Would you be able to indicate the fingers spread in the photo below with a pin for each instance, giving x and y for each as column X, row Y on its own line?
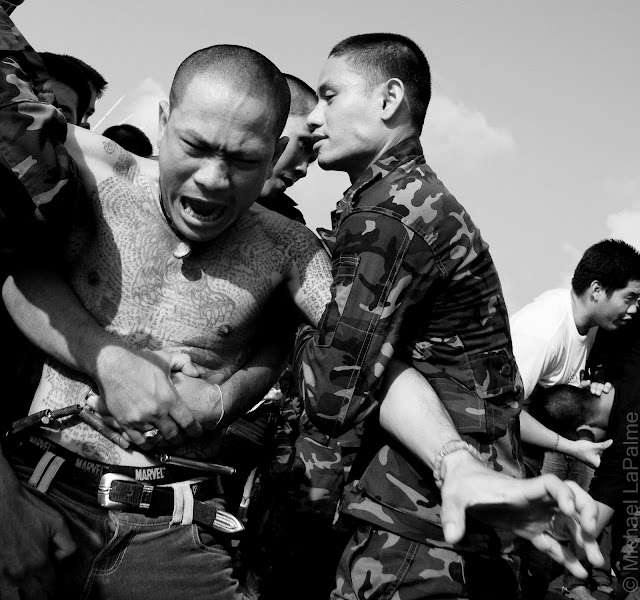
column 560, row 553
column 558, row 491
column 586, row 508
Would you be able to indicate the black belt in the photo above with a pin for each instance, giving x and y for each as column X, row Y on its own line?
column 128, row 488
column 30, row 449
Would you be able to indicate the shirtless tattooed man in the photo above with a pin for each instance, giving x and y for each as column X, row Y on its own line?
column 172, row 257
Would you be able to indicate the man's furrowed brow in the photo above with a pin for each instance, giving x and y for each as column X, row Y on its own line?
column 195, row 136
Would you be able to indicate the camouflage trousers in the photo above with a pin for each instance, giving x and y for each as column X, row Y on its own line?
column 379, row 565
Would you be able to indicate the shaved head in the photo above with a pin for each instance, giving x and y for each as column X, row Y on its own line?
column 303, row 98
column 239, row 68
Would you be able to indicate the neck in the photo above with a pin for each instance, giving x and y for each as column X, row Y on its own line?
column 395, row 137
column 581, row 315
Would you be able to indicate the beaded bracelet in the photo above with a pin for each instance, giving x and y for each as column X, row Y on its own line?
column 449, row 448
column 555, row 446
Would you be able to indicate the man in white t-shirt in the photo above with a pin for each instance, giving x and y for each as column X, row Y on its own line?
column 552, row 337
column 553, row 334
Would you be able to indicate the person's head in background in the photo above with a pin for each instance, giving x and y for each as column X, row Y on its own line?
column 131, row 138
column 564, row 408
column 69, row 86
column 298, row 154
column 97, row 86
column 606, row 284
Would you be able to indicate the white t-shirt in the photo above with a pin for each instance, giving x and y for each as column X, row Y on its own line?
column 546, row 343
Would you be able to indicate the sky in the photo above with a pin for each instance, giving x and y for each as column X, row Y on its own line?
column 533, row 124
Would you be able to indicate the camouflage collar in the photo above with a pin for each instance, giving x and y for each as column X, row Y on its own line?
column 390, row 160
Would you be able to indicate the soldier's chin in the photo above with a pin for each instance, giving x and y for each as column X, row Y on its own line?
column 327, row 163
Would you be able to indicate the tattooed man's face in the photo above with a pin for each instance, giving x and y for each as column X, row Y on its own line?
column 217, row 148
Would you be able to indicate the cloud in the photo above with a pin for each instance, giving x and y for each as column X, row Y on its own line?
column 624, row 224
column 456, row 132
column 453, row 135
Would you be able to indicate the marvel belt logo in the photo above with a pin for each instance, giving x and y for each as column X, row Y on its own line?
column 42, row 444
column 150, row 474
column 89, row 467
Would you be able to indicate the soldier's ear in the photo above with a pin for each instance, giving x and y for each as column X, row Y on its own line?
column 163, row 119
column 392, row 98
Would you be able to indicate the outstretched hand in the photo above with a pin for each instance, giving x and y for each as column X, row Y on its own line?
column 526, row 507
column 589, row 452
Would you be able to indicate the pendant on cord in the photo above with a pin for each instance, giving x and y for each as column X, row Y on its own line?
column 182, row 250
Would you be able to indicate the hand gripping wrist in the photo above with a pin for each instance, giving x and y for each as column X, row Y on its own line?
column 449, row 448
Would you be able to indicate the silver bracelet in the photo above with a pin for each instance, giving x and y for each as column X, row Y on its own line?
column 449, row 448
column 221, row 404
column 555, row 446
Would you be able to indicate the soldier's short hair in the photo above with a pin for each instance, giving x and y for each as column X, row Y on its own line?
column 62, row 69
column 303, row 98
column 381, row 56
column 242, row 68
column 563, row 408
column 613, row 263
column 96, row 81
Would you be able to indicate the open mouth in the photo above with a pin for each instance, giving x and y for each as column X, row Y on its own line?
column 201, row 209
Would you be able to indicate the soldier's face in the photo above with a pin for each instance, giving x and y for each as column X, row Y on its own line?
column 294, row 161
column 217, row 148
column 346, row 118
column 616, row 310
column 67, row 100
column 90, row 109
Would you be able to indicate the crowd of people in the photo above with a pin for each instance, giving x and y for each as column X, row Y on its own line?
column 213, row 402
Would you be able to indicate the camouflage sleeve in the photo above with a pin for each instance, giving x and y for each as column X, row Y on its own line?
column 32, row 135
column 380, row 270
column 9, row 5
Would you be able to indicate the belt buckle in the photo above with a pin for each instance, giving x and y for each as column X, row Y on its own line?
column 104, row 488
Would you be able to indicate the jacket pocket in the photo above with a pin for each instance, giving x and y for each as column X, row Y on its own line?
column 498, row 384
column 343, row 268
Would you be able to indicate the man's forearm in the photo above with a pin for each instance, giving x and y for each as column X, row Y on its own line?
column 251, row 383
column 534, row 432
column 412, row 412
column 51, row 316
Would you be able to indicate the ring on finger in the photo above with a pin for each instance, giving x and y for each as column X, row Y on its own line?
column 152, row 433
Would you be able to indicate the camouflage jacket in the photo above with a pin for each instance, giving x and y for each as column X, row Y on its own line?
column 33, row 161
column 412, row 275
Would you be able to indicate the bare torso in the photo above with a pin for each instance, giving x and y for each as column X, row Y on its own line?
column 207, row 304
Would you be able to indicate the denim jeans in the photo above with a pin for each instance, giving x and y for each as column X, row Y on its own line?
column 129, row 556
